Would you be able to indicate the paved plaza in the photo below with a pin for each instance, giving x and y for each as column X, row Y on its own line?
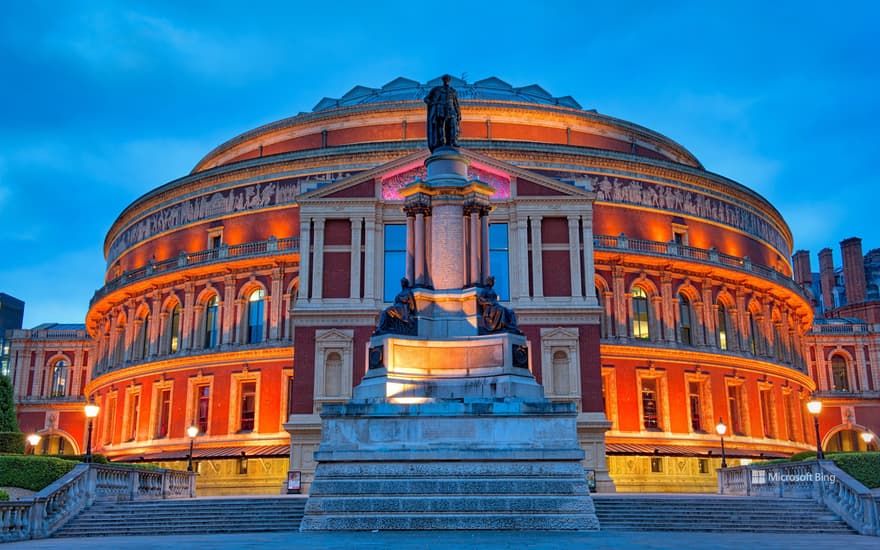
column 521, row 540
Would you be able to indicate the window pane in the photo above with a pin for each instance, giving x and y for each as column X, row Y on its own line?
column 499, row 259
column 395, row 259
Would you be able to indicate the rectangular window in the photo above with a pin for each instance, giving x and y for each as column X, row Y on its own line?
column 734, row 401
column 203, row 407
column 110, row 421
column 704, row 465
column 656, row 464
column 766, row 413
column 499, row 259
column 248, row 402
column 134, row 407
column 650, row 403
column 163, row 423
column 696, row 406
column 395, row 259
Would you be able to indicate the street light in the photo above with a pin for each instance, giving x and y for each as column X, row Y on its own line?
column 34, row 440
column 815, row 407
column 91, row 412
column 192, row 432
column 721, row 428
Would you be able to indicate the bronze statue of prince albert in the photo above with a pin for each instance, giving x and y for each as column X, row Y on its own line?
column 444, row 116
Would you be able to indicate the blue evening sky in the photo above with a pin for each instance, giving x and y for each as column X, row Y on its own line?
column 102, row 101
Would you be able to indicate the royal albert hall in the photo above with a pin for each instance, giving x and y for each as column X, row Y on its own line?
column 657, row 295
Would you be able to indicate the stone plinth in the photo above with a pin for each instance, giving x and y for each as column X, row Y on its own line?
column 506, row 464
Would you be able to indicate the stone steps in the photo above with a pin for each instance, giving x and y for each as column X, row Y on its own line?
column 187, row 516
column 713, row 513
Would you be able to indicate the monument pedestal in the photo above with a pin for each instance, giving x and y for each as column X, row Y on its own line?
column 503, row 464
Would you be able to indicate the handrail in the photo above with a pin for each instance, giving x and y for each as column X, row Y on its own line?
column 184, row 260
column 48, row 510
column 710, row 256
column 820, row 480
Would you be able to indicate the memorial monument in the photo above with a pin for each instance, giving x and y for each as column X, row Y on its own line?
column 449, row 428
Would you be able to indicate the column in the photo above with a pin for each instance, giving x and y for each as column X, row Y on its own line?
column 669, row 309
column 620, row 302
column 226, row 311
column 410, row 246
column 608, row 301
column 164, row 333
column 537, row 261
column 304, row 264
column 484, row 245
column 155, row 326
column 369, row 259
column 318, row 258
column 474, row 275
column 522, row 253
column 355, row 288
column 574, row 256
column 710, row 314
column 187, row 317
column 589, row 266
column 656, row 333
column 419, row 252
column 276, row 300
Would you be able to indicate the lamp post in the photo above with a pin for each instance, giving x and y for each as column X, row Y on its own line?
column 867, row 437
column 721, row 429
column 815, row 407
column 34, row 440
column 192, row 432
column 91, row 412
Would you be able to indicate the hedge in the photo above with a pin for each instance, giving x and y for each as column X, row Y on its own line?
column 4, row 496
column 865, row 467
column 804, row 455
column 32, row 472
column 12, row 442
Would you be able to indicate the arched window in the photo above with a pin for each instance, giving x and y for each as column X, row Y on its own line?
column 143, row 338
column 255, row 316
column 722, row 326
column 174, row 329
column 838, row 373
column 59, row 378
column 640, row 313
column 211, row 334
column 684, row 315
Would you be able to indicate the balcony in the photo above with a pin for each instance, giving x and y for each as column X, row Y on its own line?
column 709, row 257
column 841, row 328
column 224, row 253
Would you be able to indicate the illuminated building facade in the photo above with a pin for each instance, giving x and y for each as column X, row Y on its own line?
column 656, row 295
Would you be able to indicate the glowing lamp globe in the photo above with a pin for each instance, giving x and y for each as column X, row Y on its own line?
column 192, row 431
column 814, row 406
column 34, row 439
column 721, row 428
column 92, row 410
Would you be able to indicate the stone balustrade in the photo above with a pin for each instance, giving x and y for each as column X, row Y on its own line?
column 184, row 260
column 817, row 479
column 52, row 507
column 710, row 256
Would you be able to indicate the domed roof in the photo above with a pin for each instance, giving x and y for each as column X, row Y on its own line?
column 404, row 89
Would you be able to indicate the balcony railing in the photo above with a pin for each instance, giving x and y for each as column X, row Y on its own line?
column 842, row 328
column 184, row 260
column 710, row 256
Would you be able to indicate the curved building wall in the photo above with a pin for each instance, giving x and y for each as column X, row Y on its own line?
column 608, row 219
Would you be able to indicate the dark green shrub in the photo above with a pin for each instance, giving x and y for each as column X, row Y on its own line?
column 4, row 496
column 804, row 455
column 97, row 459
column 8, row 418
column 32, row 472
column 865, row 467
column 12, row 443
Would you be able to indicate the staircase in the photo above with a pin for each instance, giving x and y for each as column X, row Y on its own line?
column 187, row 516
column 729, row 514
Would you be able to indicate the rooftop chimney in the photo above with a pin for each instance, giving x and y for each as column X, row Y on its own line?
column 826, row 272
column 802, row 273
column 853, row 269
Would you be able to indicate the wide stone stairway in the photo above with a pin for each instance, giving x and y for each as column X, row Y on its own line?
column 616, row 512
column 643, row 512
column 188, row 516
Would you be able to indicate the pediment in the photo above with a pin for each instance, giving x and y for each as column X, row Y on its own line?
column 384, row 182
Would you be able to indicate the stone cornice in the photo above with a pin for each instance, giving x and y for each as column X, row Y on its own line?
column 194, row 362
column 713, row 359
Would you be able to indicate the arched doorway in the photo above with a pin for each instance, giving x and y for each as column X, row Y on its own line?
column 848, row 439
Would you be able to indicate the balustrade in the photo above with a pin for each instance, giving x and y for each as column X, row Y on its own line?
column 820, row 480
column 52, row 507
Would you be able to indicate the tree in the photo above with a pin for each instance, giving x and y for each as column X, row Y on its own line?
column 8, row 419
